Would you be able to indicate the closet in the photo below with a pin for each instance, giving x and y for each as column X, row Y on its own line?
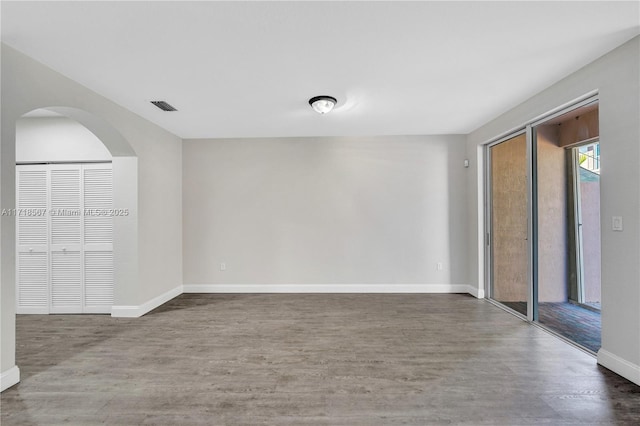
column 64, row 234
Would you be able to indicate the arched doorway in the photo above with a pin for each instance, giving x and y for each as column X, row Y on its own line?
column 101, row 143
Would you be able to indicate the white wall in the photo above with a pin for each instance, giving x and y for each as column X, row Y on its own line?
column 615, row 77
column 29, row 85
column 379, row 210
column 57, row 139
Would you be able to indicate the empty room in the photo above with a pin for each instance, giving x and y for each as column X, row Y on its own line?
column 320, row 213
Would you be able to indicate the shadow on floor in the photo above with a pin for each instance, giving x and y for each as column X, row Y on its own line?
column 45, row 341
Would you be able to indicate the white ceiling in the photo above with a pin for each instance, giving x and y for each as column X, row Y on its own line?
column 247, row 69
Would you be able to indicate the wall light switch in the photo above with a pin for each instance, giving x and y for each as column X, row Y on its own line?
column 439, row 266
column 223, row 266
column 616, row 223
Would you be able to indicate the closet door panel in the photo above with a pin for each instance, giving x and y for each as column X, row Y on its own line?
column 98, row 203
column 66, row 282
column 98, row 237
column 32, row 231
column 66, row 239
column 66, row 206
column 98, row 281
column 33, row 282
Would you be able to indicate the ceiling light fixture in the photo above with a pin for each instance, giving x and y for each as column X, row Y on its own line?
column 322, row 104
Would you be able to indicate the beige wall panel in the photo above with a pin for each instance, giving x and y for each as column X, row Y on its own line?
column 509, row 220
column 552, row 217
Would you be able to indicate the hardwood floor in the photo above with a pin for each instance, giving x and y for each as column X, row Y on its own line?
column 295, row 359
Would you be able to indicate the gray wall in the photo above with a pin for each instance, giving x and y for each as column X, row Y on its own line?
column 378, row 210
column 590, row 196
column 28, row 85
column 615, row 77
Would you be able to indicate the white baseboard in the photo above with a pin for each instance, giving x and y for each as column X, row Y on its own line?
column 476, row 292
column 619, row 365
column 326, row 288
column 9, row 378
column 32, row 311
column 126, row 311
column 135, row 311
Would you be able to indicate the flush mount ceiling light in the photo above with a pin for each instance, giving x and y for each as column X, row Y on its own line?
column 322, row 104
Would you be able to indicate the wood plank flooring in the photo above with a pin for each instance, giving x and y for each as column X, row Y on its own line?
column 306, row 359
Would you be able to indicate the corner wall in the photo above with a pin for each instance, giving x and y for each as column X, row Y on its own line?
column 615, row 77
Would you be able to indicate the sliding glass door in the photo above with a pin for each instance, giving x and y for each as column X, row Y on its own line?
column 508, row 211
column 543, row 223
column 567, row 176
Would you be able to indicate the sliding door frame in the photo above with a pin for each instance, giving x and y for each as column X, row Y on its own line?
column 593, row 98
column 576, row 197
column 532, row 223
column 528, row 128
column 489, row 218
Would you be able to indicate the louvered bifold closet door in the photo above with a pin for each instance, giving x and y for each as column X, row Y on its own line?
column 32, row 231
column 98, row 238
column 66, row 239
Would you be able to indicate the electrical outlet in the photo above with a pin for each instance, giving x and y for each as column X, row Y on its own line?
column 616, row 223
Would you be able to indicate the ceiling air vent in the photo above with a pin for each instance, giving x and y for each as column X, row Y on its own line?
column 163, row 105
